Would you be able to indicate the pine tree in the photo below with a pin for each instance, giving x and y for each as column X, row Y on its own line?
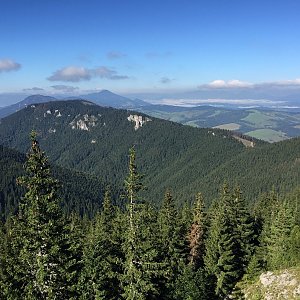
column 140, row 266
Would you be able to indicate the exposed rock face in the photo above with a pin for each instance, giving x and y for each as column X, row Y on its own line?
column 275, row 286
column 139, row 121
column 56, row 113
column 84, row 122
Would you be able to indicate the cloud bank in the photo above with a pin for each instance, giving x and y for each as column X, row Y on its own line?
column 76, row 74
column 238, row 84
column 7, row 65
column 34, row 89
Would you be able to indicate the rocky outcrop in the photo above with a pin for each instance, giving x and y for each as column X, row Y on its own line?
column 275, row 286
column 138, row 120
column 84, row 122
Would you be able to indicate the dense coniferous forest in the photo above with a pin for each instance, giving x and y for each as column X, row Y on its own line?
column 171, row 155
column 81, row 193
column 131, row 249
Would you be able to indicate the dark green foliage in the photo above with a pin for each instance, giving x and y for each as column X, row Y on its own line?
column 163, row 148
column 140, row 266
column 172, row 244
column 131, row 250
column 79, row 192
column 191, row 285
column 230, row 242
column 102, row 255
column 40, row 264
column 172, row 156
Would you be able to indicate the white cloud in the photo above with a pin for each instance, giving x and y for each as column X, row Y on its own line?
column 293, row 82
column 7, row 65
column 221, row 84
column 76, row 74
column 238, row 84
column 71, row 73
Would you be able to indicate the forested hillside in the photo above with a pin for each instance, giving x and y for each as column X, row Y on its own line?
column 132, row 250
column 80, row 192
column 83, row 136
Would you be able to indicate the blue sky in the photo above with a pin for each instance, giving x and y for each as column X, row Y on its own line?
column 67, row 46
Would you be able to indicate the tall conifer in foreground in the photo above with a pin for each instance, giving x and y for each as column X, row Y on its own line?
column 43, row 248
column 140, row 267
column 229, row 245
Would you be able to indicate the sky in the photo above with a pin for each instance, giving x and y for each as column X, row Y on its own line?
column 156, row 49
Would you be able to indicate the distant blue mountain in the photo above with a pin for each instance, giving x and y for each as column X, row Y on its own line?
column 8, row 110
column 109, row 99
column 102, row 98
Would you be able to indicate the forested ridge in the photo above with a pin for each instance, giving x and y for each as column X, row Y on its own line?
column 90, row 222
column 170, row 155
column 133, row 250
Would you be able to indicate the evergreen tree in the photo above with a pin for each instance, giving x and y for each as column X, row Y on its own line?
column 191, row 284
column 172, row 244
column 229, row 243
column 38, row 237
column 102, row 255
column 2, row 260
column 140, row 267
column 278, row 241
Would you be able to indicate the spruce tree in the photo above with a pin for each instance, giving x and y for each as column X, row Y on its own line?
column 229, row 243
column 140, row 266
column 38, row 236
column 100, row 276
column 172, row 244
column 278, row 242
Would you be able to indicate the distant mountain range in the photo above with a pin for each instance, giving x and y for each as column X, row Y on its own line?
column 102, row 98
column 77, row 134
column 268, row 124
